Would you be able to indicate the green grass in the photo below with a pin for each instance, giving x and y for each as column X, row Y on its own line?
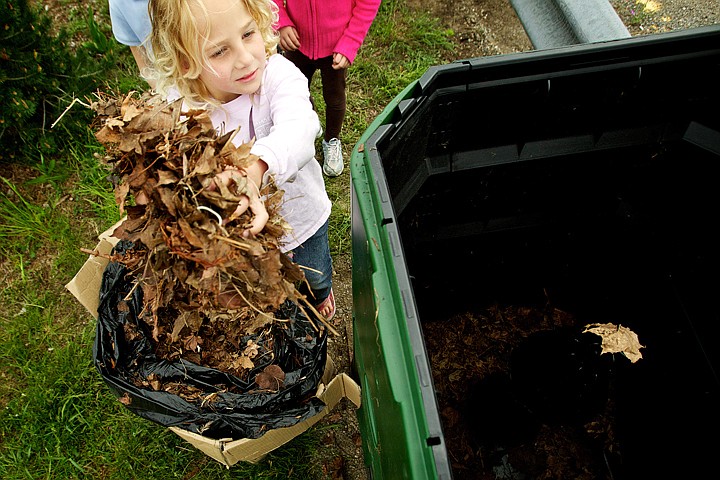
column 23, row 218
column 58, row 420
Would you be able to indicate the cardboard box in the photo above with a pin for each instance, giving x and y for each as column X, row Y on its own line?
column 228, row 451
column 85, row 287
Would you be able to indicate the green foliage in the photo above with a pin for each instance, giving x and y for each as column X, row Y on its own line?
column 99, row 42
column 638, row 15
column 32, row 64
column 39, row 77
column 339, row 225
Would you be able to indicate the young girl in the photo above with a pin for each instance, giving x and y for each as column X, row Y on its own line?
column 220, row 55
column 326, row 35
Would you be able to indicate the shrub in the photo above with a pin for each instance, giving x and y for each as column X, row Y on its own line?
column 39, row 76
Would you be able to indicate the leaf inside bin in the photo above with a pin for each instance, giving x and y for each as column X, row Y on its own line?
column 617, row 339
column 488, row 431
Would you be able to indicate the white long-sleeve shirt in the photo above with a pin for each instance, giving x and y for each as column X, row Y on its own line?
column 285, row 126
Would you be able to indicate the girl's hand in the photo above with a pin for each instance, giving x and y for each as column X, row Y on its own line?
column 289, row 39
column 251, row 199
column 340, row 61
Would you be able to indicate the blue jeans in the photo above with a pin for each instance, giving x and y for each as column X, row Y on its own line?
column 315, row 253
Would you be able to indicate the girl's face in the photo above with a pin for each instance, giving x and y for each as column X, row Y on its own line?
column 235, row 50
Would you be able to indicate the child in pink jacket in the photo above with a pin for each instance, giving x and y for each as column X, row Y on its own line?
column 326, row 35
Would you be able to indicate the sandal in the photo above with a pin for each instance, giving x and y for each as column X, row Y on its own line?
column 327, row 307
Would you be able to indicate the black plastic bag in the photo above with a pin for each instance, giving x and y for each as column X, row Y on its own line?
column 242, row 412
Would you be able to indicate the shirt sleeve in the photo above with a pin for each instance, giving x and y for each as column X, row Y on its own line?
column 130, row 21
column 363, row 15
column 290, row 142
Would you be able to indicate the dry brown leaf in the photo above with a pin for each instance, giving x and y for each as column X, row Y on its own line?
column 242, row 363
column 251, row 349
column 617, row 339
column 271, row 378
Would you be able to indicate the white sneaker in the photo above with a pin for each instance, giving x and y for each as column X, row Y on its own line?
column 332, row 157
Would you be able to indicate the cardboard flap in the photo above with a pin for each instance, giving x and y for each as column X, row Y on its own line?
column 210, row 447
column 229, row 452
column 85, row 285
column 342, row 386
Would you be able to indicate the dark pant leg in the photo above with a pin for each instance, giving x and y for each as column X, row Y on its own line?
column 333, row 88
column 306, row 66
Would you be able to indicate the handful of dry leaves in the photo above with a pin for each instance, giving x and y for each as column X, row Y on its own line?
column 205, row 285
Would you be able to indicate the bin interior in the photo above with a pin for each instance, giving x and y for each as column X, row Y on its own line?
column 590, row 195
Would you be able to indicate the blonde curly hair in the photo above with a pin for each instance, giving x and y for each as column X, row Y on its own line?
column 178, row 46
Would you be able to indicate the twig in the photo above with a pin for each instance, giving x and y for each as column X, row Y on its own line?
column 94, row 253
column 320, row 316
column 253, row 306
column 312, row 324
column 136, row 284
column 239, row 245
column 75, row 100
column 310, row 269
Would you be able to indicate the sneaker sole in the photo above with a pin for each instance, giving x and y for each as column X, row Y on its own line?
column 331, row 173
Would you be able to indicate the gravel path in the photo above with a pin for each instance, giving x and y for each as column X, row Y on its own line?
column 643, row 17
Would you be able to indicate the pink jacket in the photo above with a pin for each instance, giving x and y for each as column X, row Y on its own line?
column 328, row 26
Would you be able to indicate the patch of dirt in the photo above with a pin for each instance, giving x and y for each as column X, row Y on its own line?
column 341, row 455
column 481, row 27
column 645, row 17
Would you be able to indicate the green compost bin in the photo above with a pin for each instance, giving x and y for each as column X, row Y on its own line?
column 588, row 173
